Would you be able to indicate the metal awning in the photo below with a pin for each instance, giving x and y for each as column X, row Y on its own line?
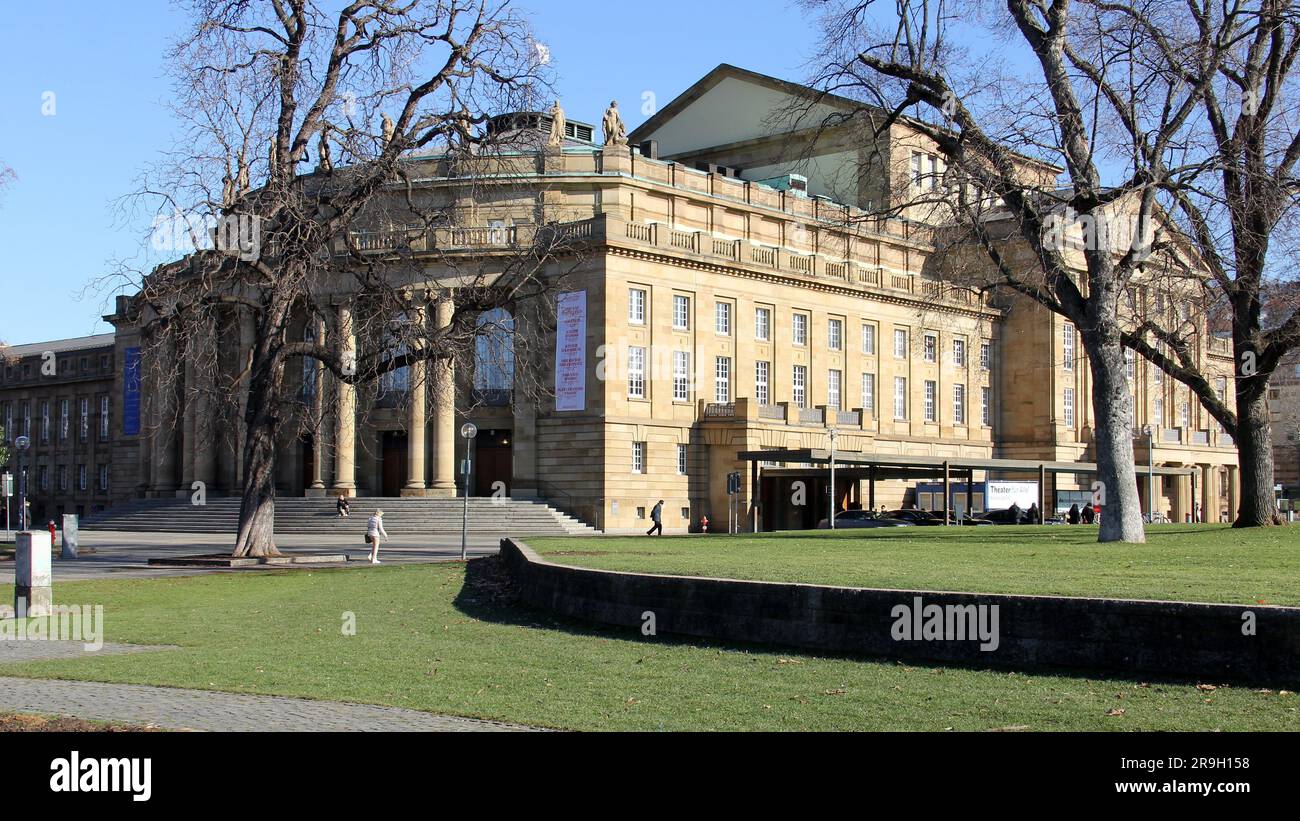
column 892, row 465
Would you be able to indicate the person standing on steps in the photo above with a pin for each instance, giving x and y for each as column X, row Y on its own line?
column 374, row 530
column 657, row 516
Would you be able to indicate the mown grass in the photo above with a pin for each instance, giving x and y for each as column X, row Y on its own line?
column 1209, row 563
column 428, row 639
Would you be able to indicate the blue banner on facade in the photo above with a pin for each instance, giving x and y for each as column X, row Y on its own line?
column 131, row 393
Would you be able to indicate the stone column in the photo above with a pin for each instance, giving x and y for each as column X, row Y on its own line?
column 1234, row 493
column 204, row 448
column 317, row 486
column 144, row 441
column 164, row 419
column 415, row 414
column 444, row 414
column 1209, row 494
column 189, row 422
column 345, row 438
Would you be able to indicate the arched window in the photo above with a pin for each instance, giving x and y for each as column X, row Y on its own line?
column 494, row 357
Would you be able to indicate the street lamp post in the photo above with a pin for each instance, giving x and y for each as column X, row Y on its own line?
column 831, row 508
column 468, row 430
column 22, row 443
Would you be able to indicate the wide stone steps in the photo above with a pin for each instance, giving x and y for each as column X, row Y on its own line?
column 503, row 517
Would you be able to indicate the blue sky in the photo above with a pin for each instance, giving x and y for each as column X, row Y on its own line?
column 60, row 226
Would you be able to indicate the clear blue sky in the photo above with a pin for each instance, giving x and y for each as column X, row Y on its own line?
column 59, row 225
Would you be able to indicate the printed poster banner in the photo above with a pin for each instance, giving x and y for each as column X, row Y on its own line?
column 131, row 392
column 571, row 351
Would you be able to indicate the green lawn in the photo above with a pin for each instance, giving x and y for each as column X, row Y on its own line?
column 426, row 639
column 1211, row 563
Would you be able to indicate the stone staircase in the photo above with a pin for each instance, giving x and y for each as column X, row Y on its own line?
column 406, row 516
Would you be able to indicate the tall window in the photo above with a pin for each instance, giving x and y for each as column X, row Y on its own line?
column 636, row 306
column 900, row 343
column 103, row 476
column 1069, row 407
column 959, row 404
column 931, row 412
column 917, row 171
column 930, row 349
column 63, row 477
column 64, row 412
column 1067, row 346
column 722, row 379
column 45, row 420
column 761, row 374
column 83, row 418
column 1158, row 412
column 722, row 318
column 81, row 477
column 1156, row 374
column 835, row 334
column 959, row 353
column 799, row 329
column 636, row 372
column 9, row 422
column 762, row 324
column 869, row 393
column 397, row 380
column 1128, row 363
column 494, row 356
column 833, row 379
column 43, row 477
column 986, row 409
column 986, row 355
column 681, row 460
column 681, row 376
column 799, row 386
column 27, row 419
column 900, row 397
column 310, row 367
column 869, row 339
column 638, row 457
column 681, row 312
column 1185, row 415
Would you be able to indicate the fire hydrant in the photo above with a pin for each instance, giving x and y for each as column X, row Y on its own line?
column 53, row 538
column 704, row 524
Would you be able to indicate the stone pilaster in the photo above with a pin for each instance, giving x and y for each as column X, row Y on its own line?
column 345, row 438
column 416, row 414
column 444, row 414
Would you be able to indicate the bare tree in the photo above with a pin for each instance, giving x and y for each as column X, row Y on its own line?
column 1004, row 134
column 388, row 96
column 1236, row 216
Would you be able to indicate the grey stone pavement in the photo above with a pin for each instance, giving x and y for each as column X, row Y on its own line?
column 126, row 555
column 119, row 554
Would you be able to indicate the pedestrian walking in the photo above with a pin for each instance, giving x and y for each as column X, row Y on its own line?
column 657, row 516
column 375, row 530
column 1073, row 516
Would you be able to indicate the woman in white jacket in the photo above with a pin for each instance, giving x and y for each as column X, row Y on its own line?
column 375, row 529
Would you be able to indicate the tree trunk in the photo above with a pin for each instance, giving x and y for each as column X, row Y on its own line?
column 266, row 381
column 1112, row 404
column 1254, row 441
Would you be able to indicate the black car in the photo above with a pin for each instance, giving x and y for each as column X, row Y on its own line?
column 929, row 518
column 1006, row 517
column 862, row 518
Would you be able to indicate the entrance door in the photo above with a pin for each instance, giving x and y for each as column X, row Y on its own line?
column 492, row 461
column 394, row 462
column 308, row 449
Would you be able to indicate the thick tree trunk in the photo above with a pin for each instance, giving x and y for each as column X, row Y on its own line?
column 1112, row 404
column 1254, row 441
column 266, row 381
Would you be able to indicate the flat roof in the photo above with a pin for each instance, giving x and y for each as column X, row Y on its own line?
column 906, row 466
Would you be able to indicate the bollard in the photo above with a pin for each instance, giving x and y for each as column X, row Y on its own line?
column 32, row 578
column 69, row 536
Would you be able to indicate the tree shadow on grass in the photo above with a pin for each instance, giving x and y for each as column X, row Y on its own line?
column 489, row 595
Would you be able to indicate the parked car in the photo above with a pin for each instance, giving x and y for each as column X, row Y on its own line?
column 921, row 518
column 971, row 520
column 862, row 518
column 1004, row 517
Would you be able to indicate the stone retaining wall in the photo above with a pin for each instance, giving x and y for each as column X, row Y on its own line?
column 1209, row 642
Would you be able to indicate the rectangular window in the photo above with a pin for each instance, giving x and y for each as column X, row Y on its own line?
column 869, row 393
column 83, row 419
column 103, row 418
column 1185, row 415
column 64, row 408
column 81, row 477
column 799, row 329
column 799, row 386
column 681, row 460
column 931, row 412
column 43, row 477
column 959, row 404
column 9, row 421
column 63, row 477
column 638, row 457
column 1129, row 365
column 986, row 355
column 959, row 353
column 1069, row 407
column 27, row 420
column 45, row 420
column 636, row 306
column 900, row 343
column 681, row 312
column 869, row 339
column 833, row 380
column 681, row 376
column 900, row 397
column 762, row 324
column 722, row 318
column 930, row 349
column 835, row 334
column 722, row 379
column 636, row 372
column 933, row 182
column 986, row 409
column 1067, row 346
column 1158, row 412
column 103, row 477
column 916, row 169
column 761, row 373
